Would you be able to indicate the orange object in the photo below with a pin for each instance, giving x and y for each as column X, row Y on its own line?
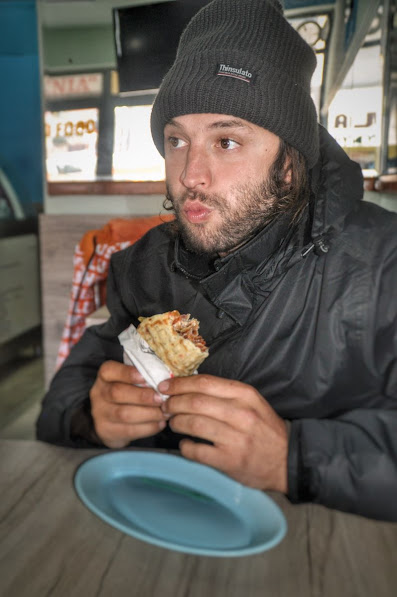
column 90, row 270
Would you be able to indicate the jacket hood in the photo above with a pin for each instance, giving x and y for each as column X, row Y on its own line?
column 337, row 185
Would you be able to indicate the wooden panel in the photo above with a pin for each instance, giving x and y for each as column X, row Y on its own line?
column 59, row 235
column 51, row 544
column 106, row 187
column 386, row 184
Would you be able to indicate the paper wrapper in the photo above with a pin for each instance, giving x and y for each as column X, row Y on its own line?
column 137, row 352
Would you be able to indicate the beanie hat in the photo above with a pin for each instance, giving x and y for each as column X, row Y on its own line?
column 243, row 58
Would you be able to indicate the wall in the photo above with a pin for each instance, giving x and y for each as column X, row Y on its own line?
column 120, row 205
column 78, row 48
column 20, row 104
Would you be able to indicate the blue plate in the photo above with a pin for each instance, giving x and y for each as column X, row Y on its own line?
column 179, row 504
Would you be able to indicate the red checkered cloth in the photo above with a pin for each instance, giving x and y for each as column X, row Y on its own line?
column 90, row 270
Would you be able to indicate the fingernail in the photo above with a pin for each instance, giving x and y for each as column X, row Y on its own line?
column 158, row 399
column 163, row 386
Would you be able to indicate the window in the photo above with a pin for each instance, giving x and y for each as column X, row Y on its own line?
column 315, row 30
column 355, row 114
column 71, row 144
column 135, row 156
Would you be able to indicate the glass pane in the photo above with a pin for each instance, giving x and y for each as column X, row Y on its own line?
column 6, row 212
column 391, row 116
column 355, row 114
column 135, row 156
column 317, row 81
column 314, row 29
column 71, row 144
column 392, row 138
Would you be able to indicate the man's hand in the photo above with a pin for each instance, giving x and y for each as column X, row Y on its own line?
column 121, row 410
column 250, row 441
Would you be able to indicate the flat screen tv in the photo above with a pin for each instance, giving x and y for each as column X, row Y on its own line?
column 146, row 39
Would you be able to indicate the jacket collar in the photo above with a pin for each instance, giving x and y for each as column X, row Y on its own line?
column 228, row 281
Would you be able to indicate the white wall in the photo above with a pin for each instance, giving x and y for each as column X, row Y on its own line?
column 137, row 205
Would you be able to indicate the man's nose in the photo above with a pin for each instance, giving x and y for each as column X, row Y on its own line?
column 197, row 171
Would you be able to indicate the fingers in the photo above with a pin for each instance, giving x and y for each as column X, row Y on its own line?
column 127, row 414
column 121, row 393
column 118, row 435
column 200, row 426
column 237, row 414
column 121, row 410
column 206, row 384
column 207, row 454
column 116, row 382
column 118, row 424
column 114, row 371
column 227, row 400
column 199, row 452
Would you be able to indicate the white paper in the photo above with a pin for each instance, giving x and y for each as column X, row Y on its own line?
column 137, row 352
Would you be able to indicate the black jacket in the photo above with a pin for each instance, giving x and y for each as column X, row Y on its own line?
column 307, row 316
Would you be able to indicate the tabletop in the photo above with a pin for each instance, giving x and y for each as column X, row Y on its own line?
column 51, row 545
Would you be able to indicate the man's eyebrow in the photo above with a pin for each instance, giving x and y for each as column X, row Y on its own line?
column 218, row 124
column 173, row 122
column 224, row 124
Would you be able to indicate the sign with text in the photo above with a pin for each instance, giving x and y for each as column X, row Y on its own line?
column 69, row 86
column 71, row 144
column 354, row 120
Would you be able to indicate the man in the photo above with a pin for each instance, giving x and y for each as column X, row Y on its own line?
column 292, row 278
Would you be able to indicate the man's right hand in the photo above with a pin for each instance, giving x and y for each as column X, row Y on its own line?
column 122, row 411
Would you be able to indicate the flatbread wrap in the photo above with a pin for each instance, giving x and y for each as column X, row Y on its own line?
column 175, row 339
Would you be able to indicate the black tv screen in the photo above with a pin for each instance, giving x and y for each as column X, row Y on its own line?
column 146, row 39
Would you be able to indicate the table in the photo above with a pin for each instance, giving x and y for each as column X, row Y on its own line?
column 51, row 545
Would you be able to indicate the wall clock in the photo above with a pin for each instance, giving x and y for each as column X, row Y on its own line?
column 310, row 31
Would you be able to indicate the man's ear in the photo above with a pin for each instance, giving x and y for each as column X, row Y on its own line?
column 288, row 173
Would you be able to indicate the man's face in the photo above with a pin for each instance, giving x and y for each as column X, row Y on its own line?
column 217, row 170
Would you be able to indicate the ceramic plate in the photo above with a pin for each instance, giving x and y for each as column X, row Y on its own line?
column 178, row 504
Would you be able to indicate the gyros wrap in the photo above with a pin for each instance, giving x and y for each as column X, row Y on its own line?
column 174, row 338
column 163, row 346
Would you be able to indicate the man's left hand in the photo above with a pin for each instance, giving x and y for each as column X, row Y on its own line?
column 249, row 440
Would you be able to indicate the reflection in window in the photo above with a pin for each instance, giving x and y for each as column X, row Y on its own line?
column 354, row 120
column 317, row 81
column 355, row 114
column 6, row 212
column 135, row 156
column 315, row 30
column 390, row 160
column 392, row 137
column 71, row 144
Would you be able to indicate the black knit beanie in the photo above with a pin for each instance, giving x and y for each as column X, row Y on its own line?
column 243, row 58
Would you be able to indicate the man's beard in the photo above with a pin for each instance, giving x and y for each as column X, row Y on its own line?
column 253, row 208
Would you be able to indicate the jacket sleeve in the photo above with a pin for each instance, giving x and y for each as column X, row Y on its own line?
column 68, row 393
column 69, row 390
column 350, row 463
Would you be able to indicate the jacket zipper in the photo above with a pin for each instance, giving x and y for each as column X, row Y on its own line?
column 319, row 245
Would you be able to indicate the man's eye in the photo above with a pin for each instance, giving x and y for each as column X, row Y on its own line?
column 228, row 144
column 175, row 142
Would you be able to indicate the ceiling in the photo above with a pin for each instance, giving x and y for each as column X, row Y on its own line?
column 92, row 13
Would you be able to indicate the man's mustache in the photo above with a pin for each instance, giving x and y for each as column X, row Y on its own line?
column 210, row 200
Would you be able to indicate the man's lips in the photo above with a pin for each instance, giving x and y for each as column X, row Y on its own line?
column 195, row 211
